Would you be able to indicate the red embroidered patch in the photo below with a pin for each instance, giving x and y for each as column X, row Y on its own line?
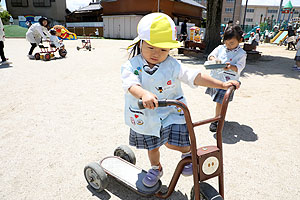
column 169, row 82
column 136, row 116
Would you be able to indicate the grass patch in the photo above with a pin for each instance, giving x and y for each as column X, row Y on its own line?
column 15, row 31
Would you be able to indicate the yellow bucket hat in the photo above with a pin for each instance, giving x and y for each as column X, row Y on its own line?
column 158, row 30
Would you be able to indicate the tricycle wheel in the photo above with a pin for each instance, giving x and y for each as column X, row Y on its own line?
column 62, row 52
column 37, row 56
column 90, row 48
column 207, row 192
column 125, row 153
column 78, row 48
column 96, row 176
column 47, row 57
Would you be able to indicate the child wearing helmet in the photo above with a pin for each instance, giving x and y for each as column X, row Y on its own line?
column 152, row 75
column 36, row 33
column 234, row 57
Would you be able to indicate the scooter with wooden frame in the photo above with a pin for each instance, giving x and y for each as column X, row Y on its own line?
column 207, row 162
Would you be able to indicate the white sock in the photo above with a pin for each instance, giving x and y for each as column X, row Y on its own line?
column 187, row 153
column 156, row 167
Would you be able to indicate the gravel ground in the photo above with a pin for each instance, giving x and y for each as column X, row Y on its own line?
column 58, row 116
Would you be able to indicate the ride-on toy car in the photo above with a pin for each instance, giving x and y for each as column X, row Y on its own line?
column 207, row 162
column 47, row 53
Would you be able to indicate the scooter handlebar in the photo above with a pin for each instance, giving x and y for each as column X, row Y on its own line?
column 161, row 103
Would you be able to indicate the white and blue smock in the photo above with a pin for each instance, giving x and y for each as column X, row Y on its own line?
column 235, row 57
column 165, row 83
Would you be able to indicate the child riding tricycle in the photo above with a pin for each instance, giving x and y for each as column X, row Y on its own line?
column 55, row 45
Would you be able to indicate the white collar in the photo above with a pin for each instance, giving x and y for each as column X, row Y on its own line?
column 232, row 50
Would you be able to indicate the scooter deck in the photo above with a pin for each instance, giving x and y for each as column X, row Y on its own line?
column 214, row 66
column 128, row 174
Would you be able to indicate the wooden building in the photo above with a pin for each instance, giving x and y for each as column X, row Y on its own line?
column 120, row 17
column 86, row 20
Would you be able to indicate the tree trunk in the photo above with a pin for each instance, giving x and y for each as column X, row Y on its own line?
column 213, row 26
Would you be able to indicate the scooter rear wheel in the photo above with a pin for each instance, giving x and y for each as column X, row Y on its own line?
column 125, row 153
column 96, row 176
column 207, row 192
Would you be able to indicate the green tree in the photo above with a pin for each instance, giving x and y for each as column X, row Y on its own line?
column 5, row 16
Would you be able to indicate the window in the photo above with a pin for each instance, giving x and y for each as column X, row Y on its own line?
column 229, row 1
column 251, row 10
column 249, row 20
column 272, row 11
column 41, row 3
column 296, row 12
column 229, row 10
column 227, row 19
column 19, row 3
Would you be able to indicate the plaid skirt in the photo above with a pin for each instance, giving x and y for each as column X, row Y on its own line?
column 174, row 134
column 217, row 94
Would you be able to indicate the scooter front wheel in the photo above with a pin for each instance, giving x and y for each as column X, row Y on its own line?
column 207, row 192
column 125, row 153
column 96, row 176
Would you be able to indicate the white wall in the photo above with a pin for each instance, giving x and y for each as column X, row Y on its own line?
column 121, row 26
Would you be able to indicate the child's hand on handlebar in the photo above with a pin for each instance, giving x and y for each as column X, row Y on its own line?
column 149, row 100
column 227, row 84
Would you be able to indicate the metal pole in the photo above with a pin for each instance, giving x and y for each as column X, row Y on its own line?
column 234, row 2
column 279, row 14
column 245, row 14
column 158, row 5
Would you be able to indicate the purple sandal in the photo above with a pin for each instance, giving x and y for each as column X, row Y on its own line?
column 152, row 177
column 188, row 168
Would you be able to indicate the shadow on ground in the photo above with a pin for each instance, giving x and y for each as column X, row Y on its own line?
column 122, row 192
column 5, row 66
column 233, row 132
column 266, row 65
column 191, row 60
column 272, row 65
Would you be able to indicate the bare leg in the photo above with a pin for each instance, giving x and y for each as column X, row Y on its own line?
column 177, row 148
column 154, row 157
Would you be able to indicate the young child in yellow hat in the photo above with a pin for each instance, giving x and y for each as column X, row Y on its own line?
column 152, row 75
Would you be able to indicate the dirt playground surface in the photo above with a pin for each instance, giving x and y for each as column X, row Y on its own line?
column 58, row 116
